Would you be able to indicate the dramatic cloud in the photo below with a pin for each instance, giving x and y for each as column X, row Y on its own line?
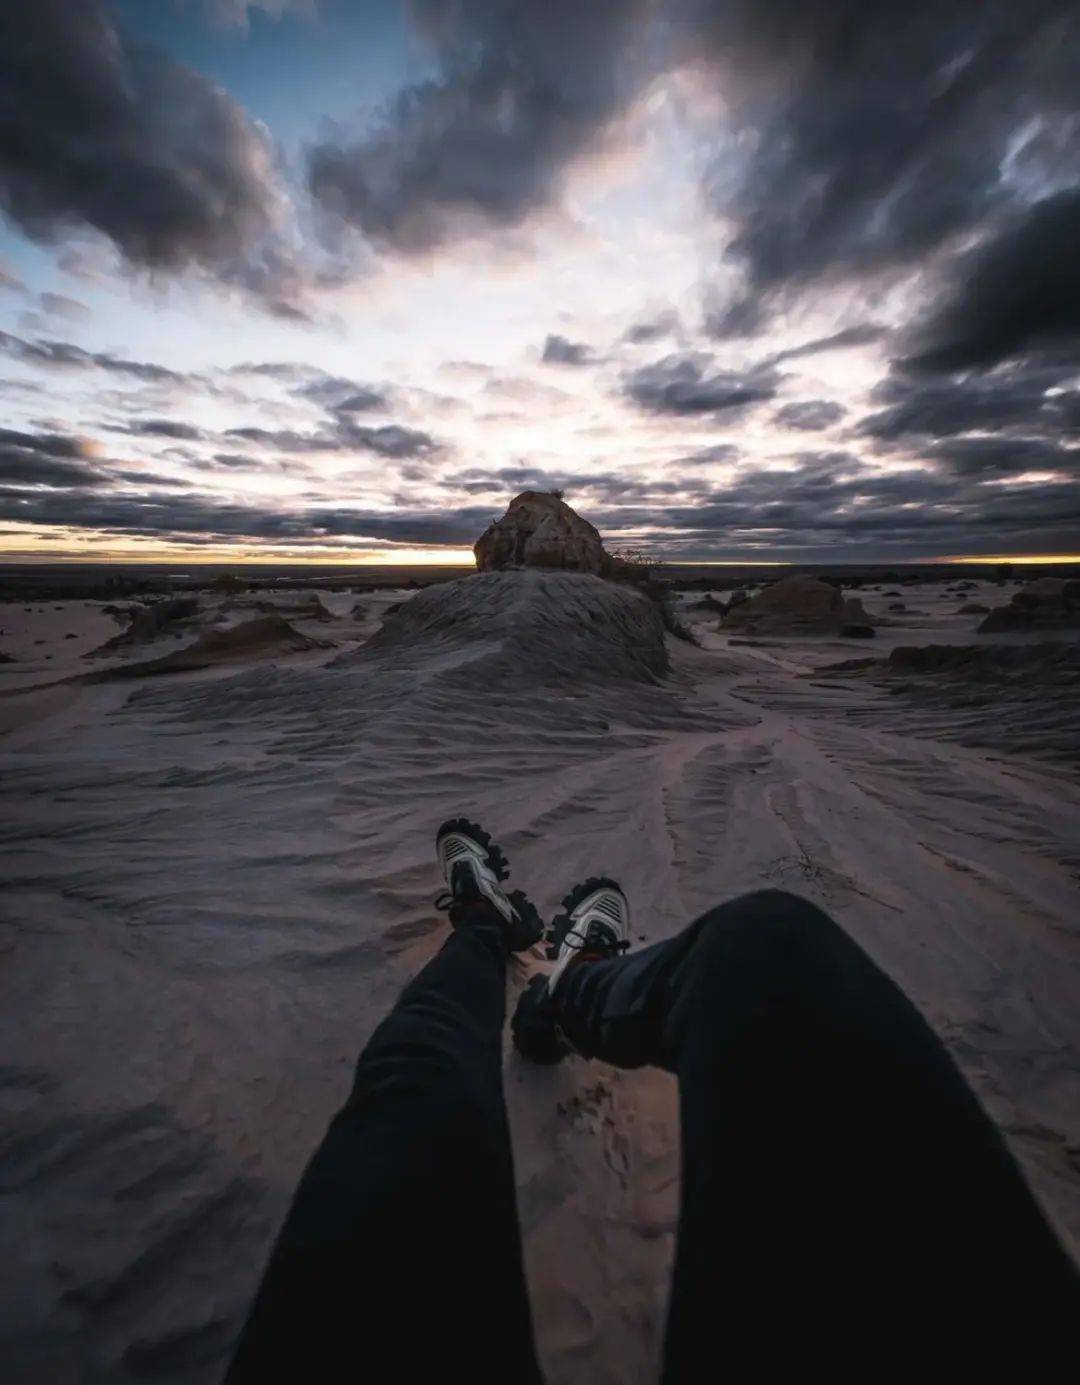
column 161, row 428
column 874, row 208
column 918, row 406
column 341, row 395
column 64, row 354
column 46, row 459
column 559, row 351
column 59, row 305
column 718, row 453
column 990, row 457
column 523, row 87
column 1018, row 292
column 810, row 414
column 193, row 515
column 862, row 335
column 665, row 324
column 878, row 132
column 98, row 131
column 390, row 440
column 683, row 384
column 49, row 444
column 33, row 469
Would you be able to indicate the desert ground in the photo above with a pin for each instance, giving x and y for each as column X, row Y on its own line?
column 220, row 872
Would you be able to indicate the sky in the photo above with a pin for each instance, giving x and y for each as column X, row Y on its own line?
column 333, row 280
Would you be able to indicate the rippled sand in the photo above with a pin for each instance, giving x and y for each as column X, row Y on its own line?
column 218, row 881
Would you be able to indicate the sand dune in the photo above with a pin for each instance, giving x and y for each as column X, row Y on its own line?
column 220, row 881
column 261, row 638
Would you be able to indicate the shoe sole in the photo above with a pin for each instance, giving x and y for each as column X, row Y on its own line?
column 560, row 924
column 493, row 852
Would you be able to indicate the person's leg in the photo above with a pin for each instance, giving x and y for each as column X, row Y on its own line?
column 845, row 1200
column 400, row 1258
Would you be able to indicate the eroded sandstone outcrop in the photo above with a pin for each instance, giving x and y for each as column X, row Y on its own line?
column 798, row 606
column 540, row 529
column 1050, row 603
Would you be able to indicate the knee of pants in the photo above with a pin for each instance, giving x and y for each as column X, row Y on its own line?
column 767, row 926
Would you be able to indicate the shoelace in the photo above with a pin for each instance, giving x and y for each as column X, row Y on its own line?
column 608, row 943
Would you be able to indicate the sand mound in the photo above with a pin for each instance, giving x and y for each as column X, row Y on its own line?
column 253, row 639
column 527, row 627
column 798, row 606
column 150, row 624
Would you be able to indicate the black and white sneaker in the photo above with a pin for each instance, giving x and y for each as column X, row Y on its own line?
column 594, row 926
column 474, row 867
column 595, row 923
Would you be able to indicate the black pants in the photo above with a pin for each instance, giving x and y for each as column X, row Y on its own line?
column 846, row 1204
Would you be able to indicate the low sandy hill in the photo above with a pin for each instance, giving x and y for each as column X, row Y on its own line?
column 527, row 626
column 261, row 638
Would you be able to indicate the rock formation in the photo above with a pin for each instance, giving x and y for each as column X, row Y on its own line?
column 1051, row 603
column 540, row 530
column 798, row 606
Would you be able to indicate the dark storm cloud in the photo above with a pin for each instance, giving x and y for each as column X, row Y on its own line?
column 200, row 515
column 96, row 130
column 48, row 444
column 829, row 500
column 832, row 500
column 988, row 458
column 810, row 414
column 862, row 335
column 742, row 316
column 24, row 467
column 1024, row 397
column 559, row 351
column 878, row 132
column 523, row 87
column 860, row 135
column 66, row 463
column 684, row 383
column 1016, row 293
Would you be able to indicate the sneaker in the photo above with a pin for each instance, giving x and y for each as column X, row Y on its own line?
column 594, row 925
column 473, row 867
